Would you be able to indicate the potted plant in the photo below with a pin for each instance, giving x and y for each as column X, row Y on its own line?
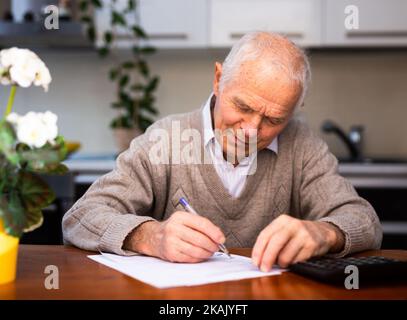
column 135, row 85
column 29, row 146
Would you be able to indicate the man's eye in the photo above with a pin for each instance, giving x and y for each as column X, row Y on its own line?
column 244, row 109
column 274, row 122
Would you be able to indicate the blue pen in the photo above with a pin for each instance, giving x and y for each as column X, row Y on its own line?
column 188, row 207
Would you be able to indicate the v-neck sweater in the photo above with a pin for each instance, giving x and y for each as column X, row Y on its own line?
column 301, row 181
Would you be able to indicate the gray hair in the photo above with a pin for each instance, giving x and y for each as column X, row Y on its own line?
column 278, row 51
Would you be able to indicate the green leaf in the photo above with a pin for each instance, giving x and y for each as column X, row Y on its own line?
column 124, row 97
column 86, row 19
column 118, row 19
column 8, row 175
column 144, row 122
column 131, row 5
column 122, row 122
column 124, row 80
column 34, row 192
column 13, row 212
column 139, row 32
column 33, row 220
column 57, row 169
column 7, row 142
column 137, row 87
column 128, row 65
column 143, row 67
column 108, row 37
column 152, row 85
column 113, row 73
column 83, row 5
column 150, row 108
column 21, row 208
column 148, row 50
column 97, row 3
column 61, row 147
column 91, row 33
column 103, row 52
column 43, row 160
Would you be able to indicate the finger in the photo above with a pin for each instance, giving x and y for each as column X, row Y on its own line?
column 198, row 239
column 204, row 226
column 303, row 255
column 193, row 251
column 288, row 254
column 259, row 247
column 175, row 254
column 262, row 241
column 184, row 258
column 276, row 243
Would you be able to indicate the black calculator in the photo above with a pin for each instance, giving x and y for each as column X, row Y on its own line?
column 370, row 269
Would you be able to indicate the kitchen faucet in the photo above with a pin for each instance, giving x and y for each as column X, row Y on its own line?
column 353, row 140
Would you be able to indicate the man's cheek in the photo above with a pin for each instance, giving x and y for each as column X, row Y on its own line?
column 230, row 119
column 266, row 137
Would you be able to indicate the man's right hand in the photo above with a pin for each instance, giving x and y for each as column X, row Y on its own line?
column 183, row 237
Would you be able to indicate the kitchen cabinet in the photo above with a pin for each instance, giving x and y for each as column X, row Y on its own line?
column 220, row 23
column 169, row 24
column 299, row 20
column 381, row 23
column 175, row 23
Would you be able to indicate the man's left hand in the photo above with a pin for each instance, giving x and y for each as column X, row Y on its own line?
column 288, row 240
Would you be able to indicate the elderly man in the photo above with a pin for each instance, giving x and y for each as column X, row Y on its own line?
column 283, row 197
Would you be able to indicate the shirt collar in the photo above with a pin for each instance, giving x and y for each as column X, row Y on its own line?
column 208, row 129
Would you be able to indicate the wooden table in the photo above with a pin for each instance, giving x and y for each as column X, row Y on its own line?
column 82, row 278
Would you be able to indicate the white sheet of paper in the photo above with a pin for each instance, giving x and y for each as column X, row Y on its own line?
column 163, row 274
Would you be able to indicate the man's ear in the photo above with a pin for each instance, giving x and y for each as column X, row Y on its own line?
column 216, row 80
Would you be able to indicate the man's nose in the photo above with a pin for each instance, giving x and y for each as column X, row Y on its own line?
column 251, row 126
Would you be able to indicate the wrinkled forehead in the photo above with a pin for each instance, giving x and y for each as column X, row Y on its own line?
column 272, row 85
column 265, row 71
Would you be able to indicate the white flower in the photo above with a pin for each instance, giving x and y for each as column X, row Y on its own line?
column 24, row 68
column 43, row 77
column 13, row 118
column 50, row 121
column 35, row 129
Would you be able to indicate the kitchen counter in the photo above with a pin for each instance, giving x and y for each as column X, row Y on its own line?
column 370, row 175
column 375, row 175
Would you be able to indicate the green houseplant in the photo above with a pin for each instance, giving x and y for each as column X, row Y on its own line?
column 29, row 146
column 135, row 85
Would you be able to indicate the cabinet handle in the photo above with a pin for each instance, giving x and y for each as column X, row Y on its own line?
column 168, row 36
column 238, row 35
column 376, row 34
column 156, row 36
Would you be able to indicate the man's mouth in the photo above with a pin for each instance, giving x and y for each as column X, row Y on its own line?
column 246, row 142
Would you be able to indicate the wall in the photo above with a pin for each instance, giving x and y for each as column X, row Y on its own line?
column 365, row 87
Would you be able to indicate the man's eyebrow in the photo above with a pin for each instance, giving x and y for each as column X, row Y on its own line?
column 241, row 103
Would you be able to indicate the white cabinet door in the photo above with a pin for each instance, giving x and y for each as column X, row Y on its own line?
column 300, row 20
column 169, row 24
column 175, row 23
column 381, row 23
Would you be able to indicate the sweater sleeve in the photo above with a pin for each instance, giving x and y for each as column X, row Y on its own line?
column 327, row 196
column 114, row 205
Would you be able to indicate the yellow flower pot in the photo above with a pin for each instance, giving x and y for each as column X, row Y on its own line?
column 8, row 256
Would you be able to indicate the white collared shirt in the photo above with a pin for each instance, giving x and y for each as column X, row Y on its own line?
column 233, row 178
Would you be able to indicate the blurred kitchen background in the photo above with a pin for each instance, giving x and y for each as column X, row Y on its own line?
column 357, row 100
